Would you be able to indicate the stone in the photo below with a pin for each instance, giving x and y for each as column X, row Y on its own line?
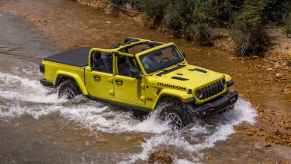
column 269, row 69
column 87, row 143
column 161, row 157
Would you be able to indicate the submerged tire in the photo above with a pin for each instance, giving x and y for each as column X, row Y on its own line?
column 68, row 89
column 172, row 111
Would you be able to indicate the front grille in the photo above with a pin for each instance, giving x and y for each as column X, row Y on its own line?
column 211, row 89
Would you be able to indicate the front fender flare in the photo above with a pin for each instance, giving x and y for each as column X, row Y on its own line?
column 181, row 95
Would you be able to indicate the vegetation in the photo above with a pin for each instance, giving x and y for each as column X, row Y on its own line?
column 288, row 25
column 248, row 31
column 195, row 19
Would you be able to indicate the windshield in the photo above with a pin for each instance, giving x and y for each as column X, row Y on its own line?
column 161, row 59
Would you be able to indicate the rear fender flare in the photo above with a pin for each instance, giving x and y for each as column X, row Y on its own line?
column 77, row 79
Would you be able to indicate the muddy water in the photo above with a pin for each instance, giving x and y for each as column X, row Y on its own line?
column 37, row 127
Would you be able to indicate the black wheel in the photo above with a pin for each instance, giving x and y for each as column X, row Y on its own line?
column 68, row 89
column 172, row 112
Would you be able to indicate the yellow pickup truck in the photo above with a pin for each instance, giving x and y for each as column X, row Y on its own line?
column 143, row 75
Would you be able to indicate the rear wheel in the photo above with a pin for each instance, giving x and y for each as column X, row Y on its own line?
column 172, row 111
column 68, row 89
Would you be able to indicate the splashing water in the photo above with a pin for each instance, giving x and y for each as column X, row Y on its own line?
column 90, row 114
column 20, row 96
column 23, row 89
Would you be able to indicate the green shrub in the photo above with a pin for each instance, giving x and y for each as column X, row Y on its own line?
column 119, row 3
column 224, row 10
column 178, row 16
column 248, row 31
column 156, row 10
column 200, row 33
column 194, row 19
column 253, row 42
column 137, row 4
column 288, row 25
column 203, row 12
column 277, row 10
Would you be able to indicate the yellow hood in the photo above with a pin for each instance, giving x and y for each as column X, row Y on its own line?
column 188, row 77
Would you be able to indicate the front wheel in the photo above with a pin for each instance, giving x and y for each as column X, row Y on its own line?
column 173, row 113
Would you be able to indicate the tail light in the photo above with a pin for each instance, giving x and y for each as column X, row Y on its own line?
column 41, row 68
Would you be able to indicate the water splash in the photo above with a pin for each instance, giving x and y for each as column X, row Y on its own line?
column 23, row 96
column 23, row 89
column 200, row 137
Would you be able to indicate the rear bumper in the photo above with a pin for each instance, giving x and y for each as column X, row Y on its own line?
column 219, row 105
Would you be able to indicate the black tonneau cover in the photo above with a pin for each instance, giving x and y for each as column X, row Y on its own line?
column 76, row 57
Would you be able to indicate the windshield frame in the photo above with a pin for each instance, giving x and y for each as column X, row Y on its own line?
column 182, row 59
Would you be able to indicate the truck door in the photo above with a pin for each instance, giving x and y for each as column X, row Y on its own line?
column 127, row 88
column 99, row 75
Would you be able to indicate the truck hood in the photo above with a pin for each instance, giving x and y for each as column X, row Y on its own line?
column 188, row 77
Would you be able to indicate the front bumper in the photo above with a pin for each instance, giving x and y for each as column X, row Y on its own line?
column 218, row 105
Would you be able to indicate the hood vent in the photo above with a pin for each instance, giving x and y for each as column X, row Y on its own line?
column 179, row 78
column 198, row 69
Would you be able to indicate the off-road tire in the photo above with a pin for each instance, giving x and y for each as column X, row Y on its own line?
column 172, row 110
column 68, row 89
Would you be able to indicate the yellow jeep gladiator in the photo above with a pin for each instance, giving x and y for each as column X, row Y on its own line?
column 143, row 75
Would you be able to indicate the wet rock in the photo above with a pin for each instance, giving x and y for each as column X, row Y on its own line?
column 267, row 145
column 161, row 157
column 278, row 75
column 269, row 69
column 87, row 143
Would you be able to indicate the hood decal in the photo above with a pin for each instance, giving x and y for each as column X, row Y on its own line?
column 171, row 86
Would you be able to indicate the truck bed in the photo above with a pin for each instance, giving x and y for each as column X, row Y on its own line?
column 76, row 57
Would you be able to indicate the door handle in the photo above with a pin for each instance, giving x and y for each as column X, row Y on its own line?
column 97, row 78
column 119, row 82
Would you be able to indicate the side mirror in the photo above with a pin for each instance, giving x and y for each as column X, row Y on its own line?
column 135, row 73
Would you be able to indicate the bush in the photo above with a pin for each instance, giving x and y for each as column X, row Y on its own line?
column 138, row 4
column 156, row 10
column 288, row 25
column 179, row 16
column 253, row 42
column 224, row 10
column 194, row 19
column 277, row 10
column 119, row 3
column 200, row 33
column 203, row 12
column 248, row 32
